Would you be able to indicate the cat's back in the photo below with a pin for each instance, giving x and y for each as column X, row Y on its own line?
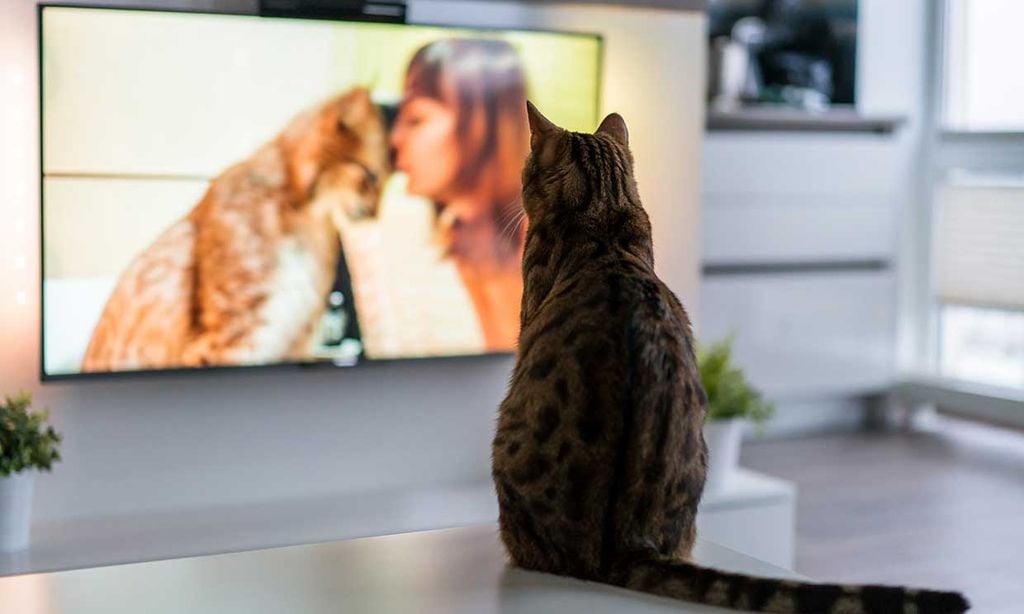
column 603, row 303
column 603, row 366
column 602, row 331
column 147, row 317
column 148, row 320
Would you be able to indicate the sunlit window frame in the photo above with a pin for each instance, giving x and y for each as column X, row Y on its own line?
column 945, row 149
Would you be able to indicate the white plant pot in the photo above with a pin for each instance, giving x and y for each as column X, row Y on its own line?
column 15, row 510
column 723, row 438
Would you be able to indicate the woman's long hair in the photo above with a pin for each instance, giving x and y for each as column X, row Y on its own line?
column 484, row 82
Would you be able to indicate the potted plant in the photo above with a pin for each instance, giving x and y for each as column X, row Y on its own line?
column 731, row 402
column 27, row 444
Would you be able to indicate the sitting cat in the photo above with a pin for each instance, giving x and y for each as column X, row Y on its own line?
column 599, row 459
column 244, row 277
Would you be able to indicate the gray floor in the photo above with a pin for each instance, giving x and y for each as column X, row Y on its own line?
column 941, row 510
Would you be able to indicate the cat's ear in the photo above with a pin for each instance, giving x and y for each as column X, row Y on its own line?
column 615, row 127
column 540, row 126
column 354, row 107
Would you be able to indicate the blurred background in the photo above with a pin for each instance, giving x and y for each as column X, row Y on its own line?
column 863, row 239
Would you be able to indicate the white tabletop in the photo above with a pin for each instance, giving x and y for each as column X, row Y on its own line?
column 453, row 571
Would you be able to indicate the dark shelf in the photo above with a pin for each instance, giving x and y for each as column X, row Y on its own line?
column 678, row 5
column 719, row 269
column 781, row 119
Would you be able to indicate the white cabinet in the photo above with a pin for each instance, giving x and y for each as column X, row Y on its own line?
column 807, row 334
column 799, row 252
column 754, row 515
column 796, row 228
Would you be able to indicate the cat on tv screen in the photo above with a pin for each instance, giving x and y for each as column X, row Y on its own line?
column 228, row 191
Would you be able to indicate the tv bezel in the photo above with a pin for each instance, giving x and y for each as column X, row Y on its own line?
column 362, row 361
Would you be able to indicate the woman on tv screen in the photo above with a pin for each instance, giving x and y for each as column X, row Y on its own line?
column 461, row 138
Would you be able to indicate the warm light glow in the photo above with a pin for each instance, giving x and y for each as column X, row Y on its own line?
column 27, row 594
column 18, row 202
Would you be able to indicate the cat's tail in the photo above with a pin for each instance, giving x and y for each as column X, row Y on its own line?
column 708, row 586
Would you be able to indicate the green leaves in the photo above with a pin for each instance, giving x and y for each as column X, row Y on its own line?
column 729, row 394
column 27, row 441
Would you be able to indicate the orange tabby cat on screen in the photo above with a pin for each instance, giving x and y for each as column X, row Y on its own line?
column 243, row 278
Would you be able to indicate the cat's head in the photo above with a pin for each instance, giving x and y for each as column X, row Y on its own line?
column 582, row 185
column 341, row 147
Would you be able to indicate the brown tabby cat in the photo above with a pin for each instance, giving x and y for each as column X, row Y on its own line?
column 243, row 278
column 599, row 460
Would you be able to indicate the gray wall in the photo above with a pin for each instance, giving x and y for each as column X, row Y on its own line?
column 167, row 443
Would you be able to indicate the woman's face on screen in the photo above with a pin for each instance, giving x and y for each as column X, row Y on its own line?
column 425, row 147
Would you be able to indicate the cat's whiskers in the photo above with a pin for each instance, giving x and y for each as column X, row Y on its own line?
column 515, row 215
column 510, row 210
column 512, row 228
column 519, row 225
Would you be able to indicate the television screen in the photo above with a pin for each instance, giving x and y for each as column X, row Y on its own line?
column 227, row 190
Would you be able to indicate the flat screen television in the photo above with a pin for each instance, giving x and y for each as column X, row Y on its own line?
column 224, row 191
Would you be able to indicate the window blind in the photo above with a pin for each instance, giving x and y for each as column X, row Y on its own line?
column 979, row 249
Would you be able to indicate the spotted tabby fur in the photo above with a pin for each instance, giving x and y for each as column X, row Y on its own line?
column 599, row 461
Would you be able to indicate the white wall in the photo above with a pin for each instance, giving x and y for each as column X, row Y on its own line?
column 166, row 443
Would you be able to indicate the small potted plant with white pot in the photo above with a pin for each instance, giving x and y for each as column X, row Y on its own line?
column 732, row 401
column 28, row 444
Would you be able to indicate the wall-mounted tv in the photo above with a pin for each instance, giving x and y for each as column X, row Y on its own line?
column 223, row 191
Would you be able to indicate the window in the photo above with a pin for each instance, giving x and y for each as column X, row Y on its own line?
column 978, row 250
column 979, row 278
column 984, row 87
column 982, row 344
